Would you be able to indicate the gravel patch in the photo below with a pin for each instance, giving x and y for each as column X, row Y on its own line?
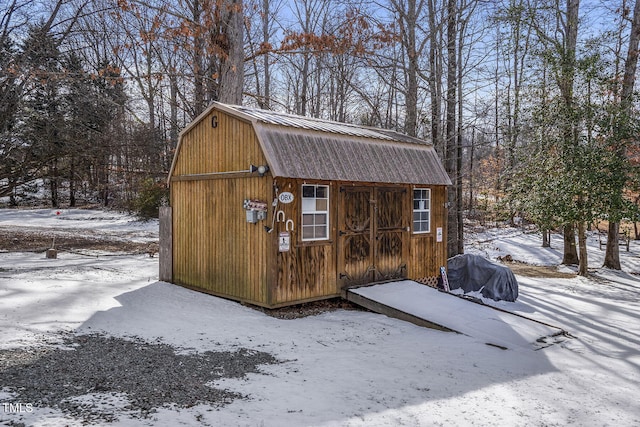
column 309, row 308
column 96, row 378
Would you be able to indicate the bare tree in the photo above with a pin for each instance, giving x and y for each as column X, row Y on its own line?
column 435, row 78
column 232, row 55
column 261, row 28
column 409, row 13
column 454, row 241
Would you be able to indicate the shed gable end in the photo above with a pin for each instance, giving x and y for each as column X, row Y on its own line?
column 217, row 142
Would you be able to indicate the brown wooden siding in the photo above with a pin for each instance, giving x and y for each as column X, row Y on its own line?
column 308, row 270
column 215, row 249
column 427, row 255
column 231, row 146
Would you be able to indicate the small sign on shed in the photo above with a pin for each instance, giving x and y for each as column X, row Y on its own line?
column 285, row 197
column 284, row 241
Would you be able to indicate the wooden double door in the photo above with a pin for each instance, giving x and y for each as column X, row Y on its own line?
column 373, row 234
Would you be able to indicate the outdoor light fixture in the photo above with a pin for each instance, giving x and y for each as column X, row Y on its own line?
column 262, row 169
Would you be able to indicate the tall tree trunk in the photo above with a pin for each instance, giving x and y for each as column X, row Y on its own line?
column 565, row 84
column 451, row 163
column 631, row 62
column 103, row 178
column 411, row 98
column 583, row 268
column 435, row 80
column 301, row 104
column 520, row 35
column 265, row 102
column 635, row 222
column 173, row 129
column 151, row 107
column 570, row 252
column 462, row 23
column 496, row 114
column 232, row 66
column 53, row 183
column 316, row 104
column 472, row 149
column 546, row 238
column 198, row 62
column 612, row 254
column 72, row 183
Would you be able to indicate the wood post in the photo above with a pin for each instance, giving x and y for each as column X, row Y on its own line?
column 165, row 251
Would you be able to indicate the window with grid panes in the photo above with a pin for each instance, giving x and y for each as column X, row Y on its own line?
column 315, row 212
column 421, row 210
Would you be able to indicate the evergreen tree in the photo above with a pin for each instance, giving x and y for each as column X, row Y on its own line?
column 84, row 121
column 43, row 114
column 10, row 93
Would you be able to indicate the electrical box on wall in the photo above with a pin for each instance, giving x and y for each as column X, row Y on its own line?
column 252, row 216
column 256, row 210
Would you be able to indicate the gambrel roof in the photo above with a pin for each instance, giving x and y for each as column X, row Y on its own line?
column 308, row 148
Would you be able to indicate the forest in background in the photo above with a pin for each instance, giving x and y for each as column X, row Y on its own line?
column 530, row 103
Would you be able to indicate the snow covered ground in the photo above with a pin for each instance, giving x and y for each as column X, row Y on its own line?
column 340, row 368
column 83, row 222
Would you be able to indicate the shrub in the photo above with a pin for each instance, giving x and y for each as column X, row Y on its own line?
column 152, row 195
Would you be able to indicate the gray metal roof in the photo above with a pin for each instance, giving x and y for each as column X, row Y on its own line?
column 315, row 155
column 307, row 148
column 313, row 124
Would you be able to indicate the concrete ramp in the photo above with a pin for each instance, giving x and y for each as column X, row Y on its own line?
column 426, row 306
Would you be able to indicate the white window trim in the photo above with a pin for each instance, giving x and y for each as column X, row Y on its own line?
column 303, row 212
column 421, row 210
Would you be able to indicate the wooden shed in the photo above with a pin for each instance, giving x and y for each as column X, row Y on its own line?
column 274, row 209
